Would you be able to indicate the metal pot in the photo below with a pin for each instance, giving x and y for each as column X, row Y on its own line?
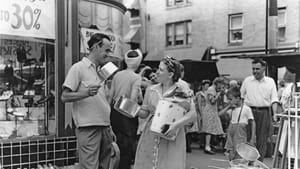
column 247, row 151
column 127, row 107
column 239, row 163
column 107, row 70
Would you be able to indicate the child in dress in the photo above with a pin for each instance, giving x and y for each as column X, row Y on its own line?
column 241, row 116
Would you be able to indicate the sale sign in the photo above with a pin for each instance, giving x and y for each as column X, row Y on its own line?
column 33, row 18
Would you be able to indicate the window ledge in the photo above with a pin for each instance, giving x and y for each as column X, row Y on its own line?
column 281, row 40
column 179, row 6
column 179, row 47
column 235, row 43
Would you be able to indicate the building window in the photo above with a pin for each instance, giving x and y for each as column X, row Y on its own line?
column 179, row 33
column 235, row 28
column 281, row 24
column 177, row 2
column 134, row 13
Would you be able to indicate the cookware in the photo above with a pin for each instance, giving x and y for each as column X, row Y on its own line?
column 106, row 71
column 247, row 151
column 127, row 107
column 165, row 114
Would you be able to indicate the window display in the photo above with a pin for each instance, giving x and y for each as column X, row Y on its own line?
column 26, row 87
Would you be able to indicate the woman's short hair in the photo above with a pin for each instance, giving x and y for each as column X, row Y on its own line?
column 172, row 66
column 219, row 80
column 205, row 81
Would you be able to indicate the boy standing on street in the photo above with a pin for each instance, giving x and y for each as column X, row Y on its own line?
column 241, row 116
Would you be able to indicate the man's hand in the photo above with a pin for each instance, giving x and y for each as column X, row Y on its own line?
column 113, row 135
column 93, row 90
column 275, row 118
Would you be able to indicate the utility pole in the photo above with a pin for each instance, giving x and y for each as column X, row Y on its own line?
column 267, row 27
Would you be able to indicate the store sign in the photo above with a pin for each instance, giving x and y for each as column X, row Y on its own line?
column 87, row 33
column 33, row 18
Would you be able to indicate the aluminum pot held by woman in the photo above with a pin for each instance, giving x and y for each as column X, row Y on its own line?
column 107, row 70
column 127, row 107
column 247, row 151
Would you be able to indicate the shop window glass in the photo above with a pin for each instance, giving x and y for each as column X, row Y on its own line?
column 26, row 86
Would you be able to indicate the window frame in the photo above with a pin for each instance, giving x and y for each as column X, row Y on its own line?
column 283, row 25
column 170, row 37
column 230, row 29
column 174, row 3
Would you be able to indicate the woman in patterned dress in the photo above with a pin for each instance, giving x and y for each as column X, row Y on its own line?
column 211, row 123
column 154, row 152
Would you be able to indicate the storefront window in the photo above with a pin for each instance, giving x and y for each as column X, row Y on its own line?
column 97, row 17
column 27, row 69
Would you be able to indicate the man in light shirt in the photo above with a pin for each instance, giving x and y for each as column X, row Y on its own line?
column 259, row 93
column 91, row 110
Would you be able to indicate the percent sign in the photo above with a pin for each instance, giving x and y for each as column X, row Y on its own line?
column 37, row 25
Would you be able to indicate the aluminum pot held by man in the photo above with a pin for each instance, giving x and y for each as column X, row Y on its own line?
column 107, row 70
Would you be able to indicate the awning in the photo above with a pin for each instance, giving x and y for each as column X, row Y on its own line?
column 132, row 4
column 133, row 36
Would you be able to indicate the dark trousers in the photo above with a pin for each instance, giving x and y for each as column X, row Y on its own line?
column 94, row 147
column 125, row 129
column 263, row 120
column 188, row 138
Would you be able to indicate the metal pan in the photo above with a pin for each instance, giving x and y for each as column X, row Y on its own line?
column 107, row 70
column 127, row 107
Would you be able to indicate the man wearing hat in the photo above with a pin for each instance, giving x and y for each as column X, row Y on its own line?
column 91, row 110
column 128, row 84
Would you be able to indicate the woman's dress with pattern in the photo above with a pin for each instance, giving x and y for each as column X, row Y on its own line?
column 154, row 152
column 211, row 122
column 199, row 104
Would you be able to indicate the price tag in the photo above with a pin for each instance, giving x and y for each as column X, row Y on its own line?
column 33, row 18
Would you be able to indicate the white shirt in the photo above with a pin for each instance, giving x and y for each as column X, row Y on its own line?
column 246, row 115
column 259, row 93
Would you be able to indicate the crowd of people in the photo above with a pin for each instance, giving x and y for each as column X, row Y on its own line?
column 237, row 112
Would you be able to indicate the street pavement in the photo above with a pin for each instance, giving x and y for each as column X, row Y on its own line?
column 199, row 160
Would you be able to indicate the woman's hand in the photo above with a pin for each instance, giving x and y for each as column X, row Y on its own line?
column 172, row 130
column 185, row 104
column 145, row 111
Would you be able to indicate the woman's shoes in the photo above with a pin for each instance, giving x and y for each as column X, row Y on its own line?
column 209, row 152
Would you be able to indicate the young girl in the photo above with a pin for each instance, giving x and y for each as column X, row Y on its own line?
column 241, row 116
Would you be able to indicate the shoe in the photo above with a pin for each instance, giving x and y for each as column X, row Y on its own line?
column 209, row 152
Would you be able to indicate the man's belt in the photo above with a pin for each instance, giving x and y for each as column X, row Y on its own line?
column 259, row 108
